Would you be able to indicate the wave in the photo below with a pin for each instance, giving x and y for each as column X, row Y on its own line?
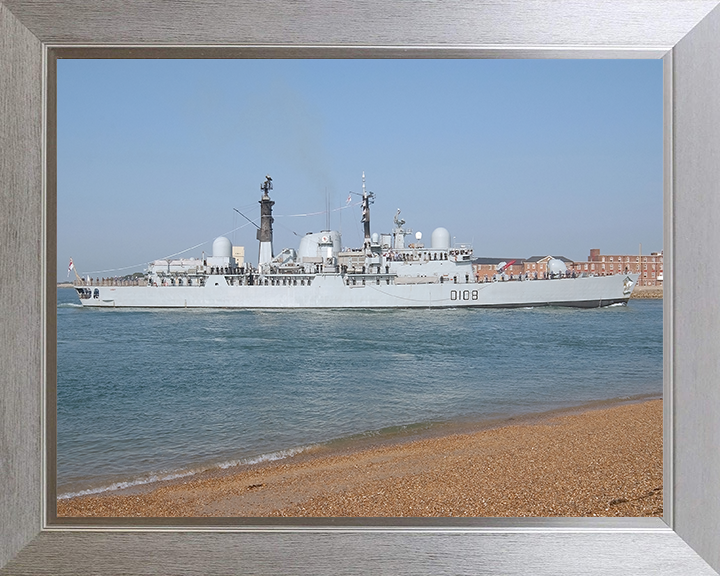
column 271, row 457
column 162, row 477
column 69, row 305
column 128, row 484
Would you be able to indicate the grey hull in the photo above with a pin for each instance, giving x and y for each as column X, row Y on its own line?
column 332, row 291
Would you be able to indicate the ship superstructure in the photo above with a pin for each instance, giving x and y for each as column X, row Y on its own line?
column 386, row 272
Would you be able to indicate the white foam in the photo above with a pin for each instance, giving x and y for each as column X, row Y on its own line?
column 129, row 484
column 272, row 456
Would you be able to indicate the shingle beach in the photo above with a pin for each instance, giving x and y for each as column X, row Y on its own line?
column 601, row 462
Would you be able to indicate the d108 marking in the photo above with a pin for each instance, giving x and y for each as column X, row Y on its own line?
column 463, row 294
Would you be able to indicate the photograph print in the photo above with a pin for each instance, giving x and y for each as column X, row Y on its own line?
column 359, row 288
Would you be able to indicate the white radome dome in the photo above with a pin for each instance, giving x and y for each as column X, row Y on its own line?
column 556, row 267
column 440, row 239
column 222, row 247
column 309, row 244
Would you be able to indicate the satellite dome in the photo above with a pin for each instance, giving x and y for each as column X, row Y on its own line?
column 310, row 243
column 556, row 267
column 222, row 248
column 440, row 239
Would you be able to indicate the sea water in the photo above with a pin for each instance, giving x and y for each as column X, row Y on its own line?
column 151, row 394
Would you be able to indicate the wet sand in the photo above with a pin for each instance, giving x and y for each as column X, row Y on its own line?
column 604, row 462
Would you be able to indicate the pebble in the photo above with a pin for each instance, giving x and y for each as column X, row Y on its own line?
column 605, row 462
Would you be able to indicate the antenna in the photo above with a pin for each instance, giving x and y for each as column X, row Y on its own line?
column 327, row 210
column 266, row 186
column 246, row 218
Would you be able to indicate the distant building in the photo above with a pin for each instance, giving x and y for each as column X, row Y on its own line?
column 238, row 252
column 486, row 268
column 649, row 267
column 539, row 264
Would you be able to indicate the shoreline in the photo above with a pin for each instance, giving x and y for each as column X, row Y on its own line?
column 647, row 293
column 601, row 459
column 371, row 439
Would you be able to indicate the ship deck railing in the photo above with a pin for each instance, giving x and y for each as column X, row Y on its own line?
column 111, row 282
column 297, row 278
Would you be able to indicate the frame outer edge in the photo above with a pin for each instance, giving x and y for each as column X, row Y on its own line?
column 668, row 324
column 20, row 235
column 374, row 22
column 21, row 229
column 696, row 312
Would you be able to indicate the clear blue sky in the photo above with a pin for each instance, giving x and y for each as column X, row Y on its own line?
column 520, row 157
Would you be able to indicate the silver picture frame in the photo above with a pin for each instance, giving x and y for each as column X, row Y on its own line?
column 684, row 33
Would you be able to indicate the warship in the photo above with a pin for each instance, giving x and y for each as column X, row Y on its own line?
column 384, row 273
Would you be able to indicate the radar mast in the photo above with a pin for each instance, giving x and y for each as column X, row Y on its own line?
column 265, row 232
column 367, row 199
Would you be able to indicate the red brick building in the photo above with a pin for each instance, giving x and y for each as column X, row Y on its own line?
column 649, row 267
column 486, row 268
column 539, row 264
